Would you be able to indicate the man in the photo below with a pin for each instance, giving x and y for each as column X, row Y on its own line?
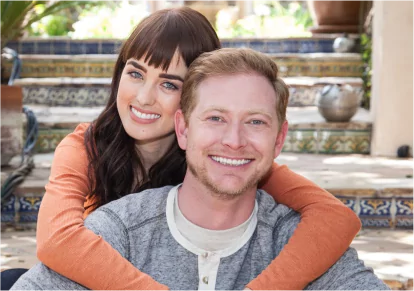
column 216, row 230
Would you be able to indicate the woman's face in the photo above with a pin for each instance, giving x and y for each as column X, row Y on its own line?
column 148, row 98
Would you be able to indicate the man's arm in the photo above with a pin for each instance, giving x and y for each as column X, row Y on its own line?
column 348, row 273
column 103, row 222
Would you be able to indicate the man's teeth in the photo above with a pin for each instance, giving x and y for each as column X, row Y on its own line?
column 230, row 162
column 144, row 115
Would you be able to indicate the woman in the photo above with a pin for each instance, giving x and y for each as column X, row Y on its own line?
column 132, row 146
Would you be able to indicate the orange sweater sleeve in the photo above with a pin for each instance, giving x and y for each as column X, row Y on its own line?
column 64, row 244
column 326, row 230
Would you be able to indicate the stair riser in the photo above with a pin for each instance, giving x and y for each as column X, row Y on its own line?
column 108, row 46
column 96, row 68
column 98, row 96
column 394, row 211
column 315, row 141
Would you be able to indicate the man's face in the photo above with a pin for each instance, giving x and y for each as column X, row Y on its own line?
column 232, row 134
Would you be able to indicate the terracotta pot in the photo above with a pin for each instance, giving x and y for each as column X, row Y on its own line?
column 11, row 122
column 336, row 16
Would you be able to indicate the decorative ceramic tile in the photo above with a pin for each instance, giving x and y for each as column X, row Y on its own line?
column 274, row 47
column 29, row 208
column 28, row 47
column 376, row 212
column 303, row 141
column 226, row 44
column 357, row 141
column 92, row 48
column 257, row 45
column 290, row 46
column 48, row 139
column 108, row 48
column 43, row 48
column 14, row 45
column 350, row 202
column 302, row 96
column 330, row 141
column 404, row 214
column 77, row 47
column 60, row 47
column 8, row 210
column 241, row 44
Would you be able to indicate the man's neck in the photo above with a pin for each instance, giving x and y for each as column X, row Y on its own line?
column 209, row 211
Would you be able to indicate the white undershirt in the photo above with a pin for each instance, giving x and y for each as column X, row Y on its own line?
column 208, row 245
column 207, row 239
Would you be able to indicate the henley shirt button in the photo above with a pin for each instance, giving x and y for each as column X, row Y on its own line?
column 205, row 280
column 205, row 255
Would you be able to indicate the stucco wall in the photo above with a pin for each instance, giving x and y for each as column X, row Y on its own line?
column 392, row 82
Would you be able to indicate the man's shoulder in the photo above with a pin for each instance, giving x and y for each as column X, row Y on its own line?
column 138, row 207
column 274, row 214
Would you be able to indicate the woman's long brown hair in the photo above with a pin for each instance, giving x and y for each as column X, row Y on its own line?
column 115, row 166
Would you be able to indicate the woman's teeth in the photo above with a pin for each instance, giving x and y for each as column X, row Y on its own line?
column 230, row 162
column 144, row 115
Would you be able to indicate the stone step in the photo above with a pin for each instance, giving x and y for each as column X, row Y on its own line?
column 308, row 131
column 101, row 66
column 67, row 46
column 95, row 91
column 379, row 190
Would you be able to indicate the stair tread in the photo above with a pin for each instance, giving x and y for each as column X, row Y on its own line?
column 359, row 175
column 298, row 117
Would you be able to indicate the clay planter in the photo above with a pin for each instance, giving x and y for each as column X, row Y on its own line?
column 11, row 122
column 335, row 16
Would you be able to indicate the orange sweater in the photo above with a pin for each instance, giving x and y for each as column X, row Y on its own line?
column 326, row 229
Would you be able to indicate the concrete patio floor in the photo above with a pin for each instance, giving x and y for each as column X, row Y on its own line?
column 388, row 252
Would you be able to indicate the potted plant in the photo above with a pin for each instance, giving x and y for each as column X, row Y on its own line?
column 338, row 16
column 16, row 18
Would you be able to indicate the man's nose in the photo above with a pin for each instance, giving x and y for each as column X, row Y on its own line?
column 234, row 136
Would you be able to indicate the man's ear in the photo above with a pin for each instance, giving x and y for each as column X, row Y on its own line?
column 280, row 140
column 181, row 129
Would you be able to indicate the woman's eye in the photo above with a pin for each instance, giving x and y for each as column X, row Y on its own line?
column 169, row 86
column 135, row 75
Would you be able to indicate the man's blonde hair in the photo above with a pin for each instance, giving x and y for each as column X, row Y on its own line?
column 230, row 61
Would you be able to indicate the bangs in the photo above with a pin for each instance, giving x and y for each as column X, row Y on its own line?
column 161, row 34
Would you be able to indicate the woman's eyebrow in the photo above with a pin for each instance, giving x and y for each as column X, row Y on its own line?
column 172, row 77
column 136, row 65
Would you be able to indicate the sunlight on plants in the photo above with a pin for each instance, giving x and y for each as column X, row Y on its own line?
column 107, row 22
column 271, row 19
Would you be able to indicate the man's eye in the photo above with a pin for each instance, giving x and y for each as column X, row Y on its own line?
column 135, row 75
column 215, row 118
column 257, row 122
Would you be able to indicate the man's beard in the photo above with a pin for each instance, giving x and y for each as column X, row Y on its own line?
column 200, row 173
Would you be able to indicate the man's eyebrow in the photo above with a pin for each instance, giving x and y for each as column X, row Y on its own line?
column 249, row 112
column 253, row 112
column 171, row 77
column 136, row 65
column 213, row 108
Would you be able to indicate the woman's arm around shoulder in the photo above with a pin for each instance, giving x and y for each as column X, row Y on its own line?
column 326, row 230
column 64, row 244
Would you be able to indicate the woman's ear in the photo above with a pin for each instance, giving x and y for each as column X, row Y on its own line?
column 181, row 129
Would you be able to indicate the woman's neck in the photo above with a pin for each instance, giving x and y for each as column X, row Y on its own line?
column 152, row 151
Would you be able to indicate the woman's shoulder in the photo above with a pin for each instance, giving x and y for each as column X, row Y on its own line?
column 76, row 138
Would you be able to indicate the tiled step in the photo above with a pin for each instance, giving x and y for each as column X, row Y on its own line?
column 95, row 91
column 378, row 190
column 67, row 46
column 101, row 66
column 308, row 131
